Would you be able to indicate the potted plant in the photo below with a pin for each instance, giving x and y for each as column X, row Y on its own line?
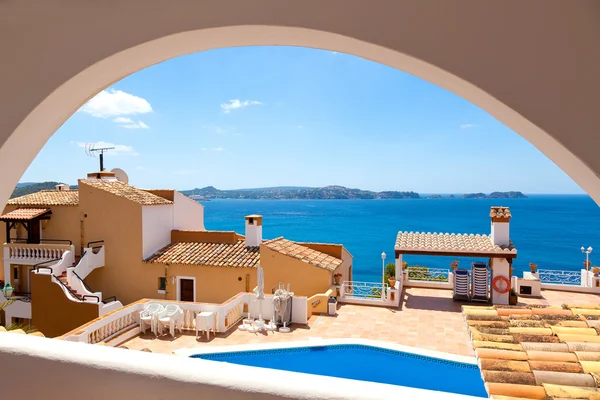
column 454, row 265
column 337, row 277
column 595, row 270
column 512, row 299
column 586, row 264
column 533, row 267
column 390, row 273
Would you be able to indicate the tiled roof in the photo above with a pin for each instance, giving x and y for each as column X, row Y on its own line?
column 129, row 192
column 47, row 198
column 207, row 254
column 500, row 212
column 450, row 244
column 24, row 214
column 537, row 352
column 303, row 253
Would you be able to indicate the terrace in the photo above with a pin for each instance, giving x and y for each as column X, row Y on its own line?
column 426, row 318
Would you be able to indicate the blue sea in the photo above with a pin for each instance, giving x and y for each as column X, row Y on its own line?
column 548, row 230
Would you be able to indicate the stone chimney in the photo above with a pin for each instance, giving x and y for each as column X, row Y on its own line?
column 62, row 186
column 253, row 230
column 500, row 234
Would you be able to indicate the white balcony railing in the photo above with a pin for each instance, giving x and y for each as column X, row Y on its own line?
column 33, row 253
column 364, row 290
column 425, row 274
column 558, row 277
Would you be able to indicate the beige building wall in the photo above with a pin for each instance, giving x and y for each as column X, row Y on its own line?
column 118, row 222
column 212, row 284
column 305, row 279
column 64, row 223
column 46, row 298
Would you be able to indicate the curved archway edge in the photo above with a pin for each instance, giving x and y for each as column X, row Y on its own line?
column 28, row 138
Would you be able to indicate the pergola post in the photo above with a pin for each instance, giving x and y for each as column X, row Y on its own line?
column 398, row 266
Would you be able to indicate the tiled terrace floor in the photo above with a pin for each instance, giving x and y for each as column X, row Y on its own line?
column 428, row 318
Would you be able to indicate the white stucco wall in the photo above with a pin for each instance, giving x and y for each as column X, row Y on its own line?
column 157, row 223
column 499, row 267
column 500, row 233
column 188, row 214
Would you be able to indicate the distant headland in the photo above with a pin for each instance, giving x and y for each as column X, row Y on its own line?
column 293, row 193
column 329, row 193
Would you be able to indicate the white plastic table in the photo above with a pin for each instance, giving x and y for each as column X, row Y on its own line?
column 205, row 321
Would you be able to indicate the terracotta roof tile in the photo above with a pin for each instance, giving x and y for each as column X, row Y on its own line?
column 129, row 192
column 544, row 360
column 235, row 255
column 24, row 214
column 500, row 212
column 415, row 242
column 47, row 198
column 303, row 253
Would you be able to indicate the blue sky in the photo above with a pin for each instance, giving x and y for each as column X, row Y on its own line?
column 282, row 116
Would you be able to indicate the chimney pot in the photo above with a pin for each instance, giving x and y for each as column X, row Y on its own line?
column 500, row 231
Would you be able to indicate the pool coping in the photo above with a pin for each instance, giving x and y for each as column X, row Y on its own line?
column 313, row 342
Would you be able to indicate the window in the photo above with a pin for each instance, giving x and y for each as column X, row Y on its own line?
column 162, row 283
column 16, row 273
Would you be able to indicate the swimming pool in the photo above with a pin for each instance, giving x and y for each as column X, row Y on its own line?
column 365, row 363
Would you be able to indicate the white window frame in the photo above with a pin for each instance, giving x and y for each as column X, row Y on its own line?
column 178, row 289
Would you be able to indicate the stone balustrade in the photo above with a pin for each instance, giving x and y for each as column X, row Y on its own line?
column 33, row 253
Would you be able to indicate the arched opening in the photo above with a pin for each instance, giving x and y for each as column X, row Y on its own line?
column 31, row 134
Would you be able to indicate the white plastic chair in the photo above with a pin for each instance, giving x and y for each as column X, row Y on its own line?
column 171, row 316
column 147, row 316
column 205, row 322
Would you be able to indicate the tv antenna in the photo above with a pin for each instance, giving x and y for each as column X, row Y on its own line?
column 91, row 150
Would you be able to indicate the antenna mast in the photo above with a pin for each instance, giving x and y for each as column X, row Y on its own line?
column 91, row 151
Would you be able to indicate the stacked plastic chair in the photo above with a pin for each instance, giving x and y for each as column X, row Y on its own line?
column 461, row 285
column 479, row 282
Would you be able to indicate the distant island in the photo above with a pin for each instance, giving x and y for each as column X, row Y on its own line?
column 297, row 193
column 291, row 193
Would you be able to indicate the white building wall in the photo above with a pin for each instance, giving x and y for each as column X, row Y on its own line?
column 499, row 267
column 500, row 233
column 157, row 223
column 188, row 214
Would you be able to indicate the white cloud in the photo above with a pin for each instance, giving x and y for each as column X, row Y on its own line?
column 468, row 126
column 236, row 103
column 119, row 149
column 213, row 149
column 111, row 103
column 128, row 123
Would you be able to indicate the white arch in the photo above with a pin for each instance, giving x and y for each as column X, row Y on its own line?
column 30, row 136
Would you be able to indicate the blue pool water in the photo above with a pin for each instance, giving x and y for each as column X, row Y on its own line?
column 365, row 363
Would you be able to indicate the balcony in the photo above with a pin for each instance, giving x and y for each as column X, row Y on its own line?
column 31, row 254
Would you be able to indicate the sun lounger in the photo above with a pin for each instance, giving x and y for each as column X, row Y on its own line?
column 461, row 285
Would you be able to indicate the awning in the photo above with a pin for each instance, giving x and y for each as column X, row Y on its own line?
column 26, row 214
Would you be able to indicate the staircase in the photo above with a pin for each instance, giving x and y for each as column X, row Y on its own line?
column 64, row 280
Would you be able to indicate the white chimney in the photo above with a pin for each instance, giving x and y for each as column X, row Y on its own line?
column 500, row 234
column 62, row 186
column 253, row 230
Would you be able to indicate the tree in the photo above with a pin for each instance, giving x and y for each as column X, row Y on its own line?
column 390, row 271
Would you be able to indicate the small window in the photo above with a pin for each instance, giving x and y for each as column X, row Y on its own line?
column 162, row 283
column 16, row 273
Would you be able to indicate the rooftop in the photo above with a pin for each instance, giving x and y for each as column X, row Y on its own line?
column 208, row 254
column 48, row 198
column 303, row 253
column 500, row 212
column 126, row 191
column 451, row 244
column 538, row 351
column 24, row 214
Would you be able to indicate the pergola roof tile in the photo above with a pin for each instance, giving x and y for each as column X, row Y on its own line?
column 450, row 244
column 24, row 214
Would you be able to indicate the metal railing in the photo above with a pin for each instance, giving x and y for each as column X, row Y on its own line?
column 83, row 283
column 363, row 290
column 37, row 266
column 557, row 277
column 428, row 274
